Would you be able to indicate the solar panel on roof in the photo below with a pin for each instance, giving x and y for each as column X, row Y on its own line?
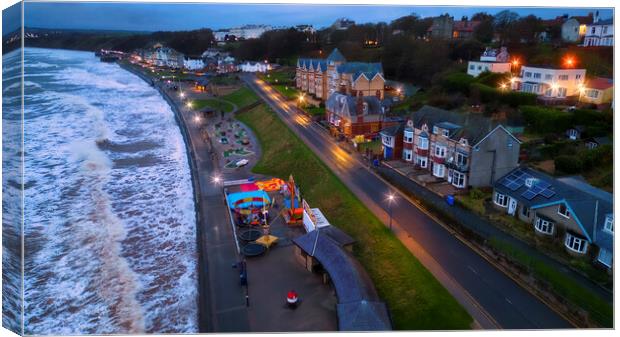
column 543, row 184
column 528, row 195
column 514, row 186
column 548, row 193
column 536, row 189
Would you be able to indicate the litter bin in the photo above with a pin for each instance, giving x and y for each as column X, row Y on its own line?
column 450, row 199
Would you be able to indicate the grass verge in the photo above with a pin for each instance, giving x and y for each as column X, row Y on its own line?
column 599, row 310
column 417, row 301
column 242, row 97
column 215, row 104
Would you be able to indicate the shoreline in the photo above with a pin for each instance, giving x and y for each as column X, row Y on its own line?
column 203, row 319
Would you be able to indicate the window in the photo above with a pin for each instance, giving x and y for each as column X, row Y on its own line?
column 578, row 76
column 563, row 77
column 563, row 211
column 548, row 77
column 440, row 151
column 605, row 257
column 592, row 93
column 423, row 145
column 575, row 244
column 422, row 162
column 525, row 211
column 549, row 92
column 458, row 179
column 438, row 170
column 537, row 75
column 435, row 130
column 544, row 226
column 461, row 159
column 501, row 200
column 529, row 182
column 445, row 133
column 604, row 29
column 593, row 30
column 528, row 74
column 407, row 155
column 472, row 67
column 609, row 224
column 408, row 137
column 561, row 92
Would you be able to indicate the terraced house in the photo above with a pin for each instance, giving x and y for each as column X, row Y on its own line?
column 465, row 150
column 566, row 210
column 324, row 77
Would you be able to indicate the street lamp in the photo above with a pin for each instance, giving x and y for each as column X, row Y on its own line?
column 390, row 200
column 189, row 105
column 182, row 94
column 216, row 179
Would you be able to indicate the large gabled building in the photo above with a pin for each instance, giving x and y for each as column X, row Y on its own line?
column 324, row 77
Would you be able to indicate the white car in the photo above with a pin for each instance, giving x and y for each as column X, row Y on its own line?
column 242, row 162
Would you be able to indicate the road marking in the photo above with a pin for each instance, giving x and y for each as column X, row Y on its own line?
column 472, row 270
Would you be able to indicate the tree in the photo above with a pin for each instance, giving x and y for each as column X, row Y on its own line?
column 485, row 30
column 526, row 29
column 504, row 24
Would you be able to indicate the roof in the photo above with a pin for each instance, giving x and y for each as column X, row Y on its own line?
column 471, row 127
column 345, row 104
column 363, row 316
column 603, row 22
column 600, row 83
column 549, row 66
column 359, row 306
column 359, row 68
column 588, row 204
column 394, row 130
column 583, row 20
column 600, row 140
column 336, row 56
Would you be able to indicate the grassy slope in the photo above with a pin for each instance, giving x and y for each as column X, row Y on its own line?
column 242, row 97
column 213, row 103
column 415, row 298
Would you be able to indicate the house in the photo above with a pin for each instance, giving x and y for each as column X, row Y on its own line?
column 241, row 33
column 549, row 82
column 597, row 91
column 594, row 142
column 463, row 149
column 392, row 141
column 254, row 67
column 599, row 33
column 444, row 27
column 567, row 210
column 193, row 64
column 574, row 29
column 575, row 132
column 350, row 116
column 342, row 24
column 324, row 77
column 492, row 60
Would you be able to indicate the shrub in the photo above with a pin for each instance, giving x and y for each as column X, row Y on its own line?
column 492, row 79
column 476, row 194
column 457, row 81
column 544, row 120
column 512, row 98
column 568, row 164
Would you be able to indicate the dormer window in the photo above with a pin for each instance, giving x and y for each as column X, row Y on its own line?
column 445, row 133
column 529, row 182
column 563, row 211
column 435, row 130
column 609, row 224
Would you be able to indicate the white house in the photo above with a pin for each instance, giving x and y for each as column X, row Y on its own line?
column 193, row 64
column 549, row 81
column 574, row 29
column 491, row 60
column 599, row 33
column 254, row 67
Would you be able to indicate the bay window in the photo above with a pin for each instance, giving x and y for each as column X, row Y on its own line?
column 543, row 226
column 576, row 244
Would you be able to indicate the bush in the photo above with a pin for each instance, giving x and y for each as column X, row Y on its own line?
column 512, row 98
column 568, row 164
column 544, row 120
column 457, row 82
column 476, row 194
column 446, row 101
column 492, row 79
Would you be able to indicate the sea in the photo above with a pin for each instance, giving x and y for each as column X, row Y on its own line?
column 109, row 217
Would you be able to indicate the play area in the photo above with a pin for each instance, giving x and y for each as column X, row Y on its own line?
column 234, row 143
column 265, row 213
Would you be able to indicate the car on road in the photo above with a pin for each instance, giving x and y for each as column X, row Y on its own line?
column 242, row 162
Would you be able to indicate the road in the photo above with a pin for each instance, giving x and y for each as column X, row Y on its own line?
column 492, row 298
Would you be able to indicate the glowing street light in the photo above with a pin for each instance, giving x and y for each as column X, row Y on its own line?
column 189, row 105
column 391, row 198
column 196, row 119
column 182, row 95
column 503, row 86
column 216, row 179
column 570, row 62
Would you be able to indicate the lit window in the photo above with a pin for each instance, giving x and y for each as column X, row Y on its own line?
column 501, row 200
column 563, row 211
column 609, row 224
column 575, row 244
column 544, row 226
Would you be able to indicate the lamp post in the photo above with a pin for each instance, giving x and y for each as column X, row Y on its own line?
column 390, row 200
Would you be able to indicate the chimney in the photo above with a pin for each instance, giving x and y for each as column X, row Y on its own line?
column 359, row 104
column 596, row 17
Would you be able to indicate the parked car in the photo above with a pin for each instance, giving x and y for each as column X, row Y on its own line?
column 242, row 162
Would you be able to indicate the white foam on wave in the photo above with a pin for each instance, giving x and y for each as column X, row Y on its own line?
column 113, row 248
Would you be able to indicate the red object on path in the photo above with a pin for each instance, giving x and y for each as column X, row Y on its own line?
column 291, row 297
column 249, row 187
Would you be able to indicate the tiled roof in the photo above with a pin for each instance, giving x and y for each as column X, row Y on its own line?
column 369, row 69
column 583, row 20
column 465, row 26
column 600, row 83
column 588, row 204
column 336, row 56
column 471, row 127
column 337, row 101
column 604, row 22
column 393, row 130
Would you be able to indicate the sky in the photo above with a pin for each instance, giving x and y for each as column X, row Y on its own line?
column 166, row 16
